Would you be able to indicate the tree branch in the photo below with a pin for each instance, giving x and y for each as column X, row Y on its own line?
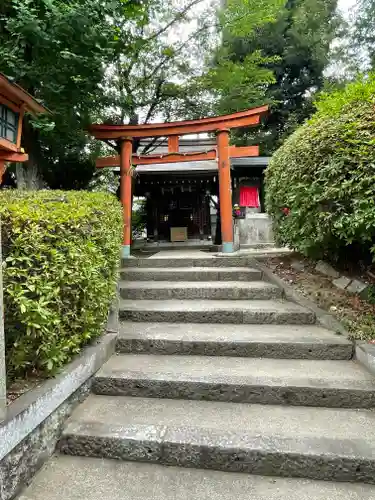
column 178, row 17
column 178, row 49
column 155, row 101
column 152, row 145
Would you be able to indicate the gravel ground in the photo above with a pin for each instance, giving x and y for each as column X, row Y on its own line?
column 356, row 314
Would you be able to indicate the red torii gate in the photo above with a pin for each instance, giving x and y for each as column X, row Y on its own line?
column 124, row 135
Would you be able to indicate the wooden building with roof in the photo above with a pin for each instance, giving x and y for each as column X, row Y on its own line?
column 14, row 103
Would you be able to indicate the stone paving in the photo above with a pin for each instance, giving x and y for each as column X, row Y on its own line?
column 220, row 388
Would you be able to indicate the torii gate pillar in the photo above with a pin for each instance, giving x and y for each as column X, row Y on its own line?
column 126, row 151
column 225, row 191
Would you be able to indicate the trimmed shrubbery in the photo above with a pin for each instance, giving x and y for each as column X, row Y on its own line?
column 321, row 182
column 60, row 254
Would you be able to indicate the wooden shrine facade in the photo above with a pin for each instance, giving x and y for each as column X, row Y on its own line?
column 184, row 196
column 14, row 103
column 121, row 137
column 177, row 199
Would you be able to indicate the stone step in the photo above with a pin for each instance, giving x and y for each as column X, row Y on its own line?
column 210, row 290
column 216, row 311
column 243, row 380
column 73, row 478
column 270, row 341
column 191, row 274
column 206, row 260
column 314, row 443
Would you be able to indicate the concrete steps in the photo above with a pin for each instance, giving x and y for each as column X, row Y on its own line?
column 205, row 260
column 216, row 372
column 216, row 311
column 73, row 478
column 271, row 341
column 210, row 290
column 190, row 274
column 326, row 383
column 314, row 443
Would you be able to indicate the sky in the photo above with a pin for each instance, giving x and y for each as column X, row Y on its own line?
column 345, row 6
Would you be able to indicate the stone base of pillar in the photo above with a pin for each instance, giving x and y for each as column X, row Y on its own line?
column 228, row 247
column 125, row 251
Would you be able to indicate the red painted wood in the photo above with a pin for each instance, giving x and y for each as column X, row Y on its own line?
column 173, row 144
column 126, row 188
column 234, row 152
column 241, row 119
column 225, row 187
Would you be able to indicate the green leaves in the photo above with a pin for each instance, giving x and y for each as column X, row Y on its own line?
column 61, row 254
column 281, row 50
column 325, row 173
column 59, row 50
column 240, row 18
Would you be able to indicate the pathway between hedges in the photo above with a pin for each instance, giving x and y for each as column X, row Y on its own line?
column 238, row 391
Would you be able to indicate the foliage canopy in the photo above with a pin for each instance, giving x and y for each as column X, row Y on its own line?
column 61, row 253
column 324, row 174
column 58, row 51
column 288, row 48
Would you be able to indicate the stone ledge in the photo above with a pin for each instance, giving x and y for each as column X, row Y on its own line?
column 33, row 423
column 365, row 353
column 326, row 269
column 32, row 408
column 319, row 458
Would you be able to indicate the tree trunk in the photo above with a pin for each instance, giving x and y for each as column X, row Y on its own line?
column 28, row 174
column 21, row 177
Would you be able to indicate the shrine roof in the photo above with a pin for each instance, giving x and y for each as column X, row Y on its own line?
column 199, row 166
column 19, row 96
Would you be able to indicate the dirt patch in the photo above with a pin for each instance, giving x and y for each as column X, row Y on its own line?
column 20, row 387
column 356, row 314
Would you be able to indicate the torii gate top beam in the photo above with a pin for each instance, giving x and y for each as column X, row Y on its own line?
column 247, row 118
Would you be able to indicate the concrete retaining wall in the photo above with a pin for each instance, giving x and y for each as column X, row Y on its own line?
column 32, row 425
column 255, row 229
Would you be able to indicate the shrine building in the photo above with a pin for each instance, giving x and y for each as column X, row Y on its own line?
column 191, row 183
column 14, row 103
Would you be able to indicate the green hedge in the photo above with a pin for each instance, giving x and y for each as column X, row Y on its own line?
column 60, row 254
column 321, row 182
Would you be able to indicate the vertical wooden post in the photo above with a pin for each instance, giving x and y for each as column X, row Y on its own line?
column 20, row 124
column 126, row 151
column 2, row 170
column 173, row 144
column 225, row 191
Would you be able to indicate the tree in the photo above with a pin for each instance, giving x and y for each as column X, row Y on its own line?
column 156, row 75
column 321, row 182
column 364, row 33
column 237, row 79
column 295, row 48
column 58, row 51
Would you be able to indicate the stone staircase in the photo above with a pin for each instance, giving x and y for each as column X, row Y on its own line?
column 238, row 391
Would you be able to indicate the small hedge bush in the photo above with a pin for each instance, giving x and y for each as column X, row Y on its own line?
column 60, row 254
column 321, row 182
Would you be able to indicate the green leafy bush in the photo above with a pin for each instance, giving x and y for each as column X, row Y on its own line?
column 321, row 182
column 60, row 253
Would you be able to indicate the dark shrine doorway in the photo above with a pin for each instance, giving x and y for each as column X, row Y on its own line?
column 178, row 207
column 188, row 210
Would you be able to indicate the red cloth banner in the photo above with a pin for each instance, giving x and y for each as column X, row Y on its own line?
column 249, row 196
